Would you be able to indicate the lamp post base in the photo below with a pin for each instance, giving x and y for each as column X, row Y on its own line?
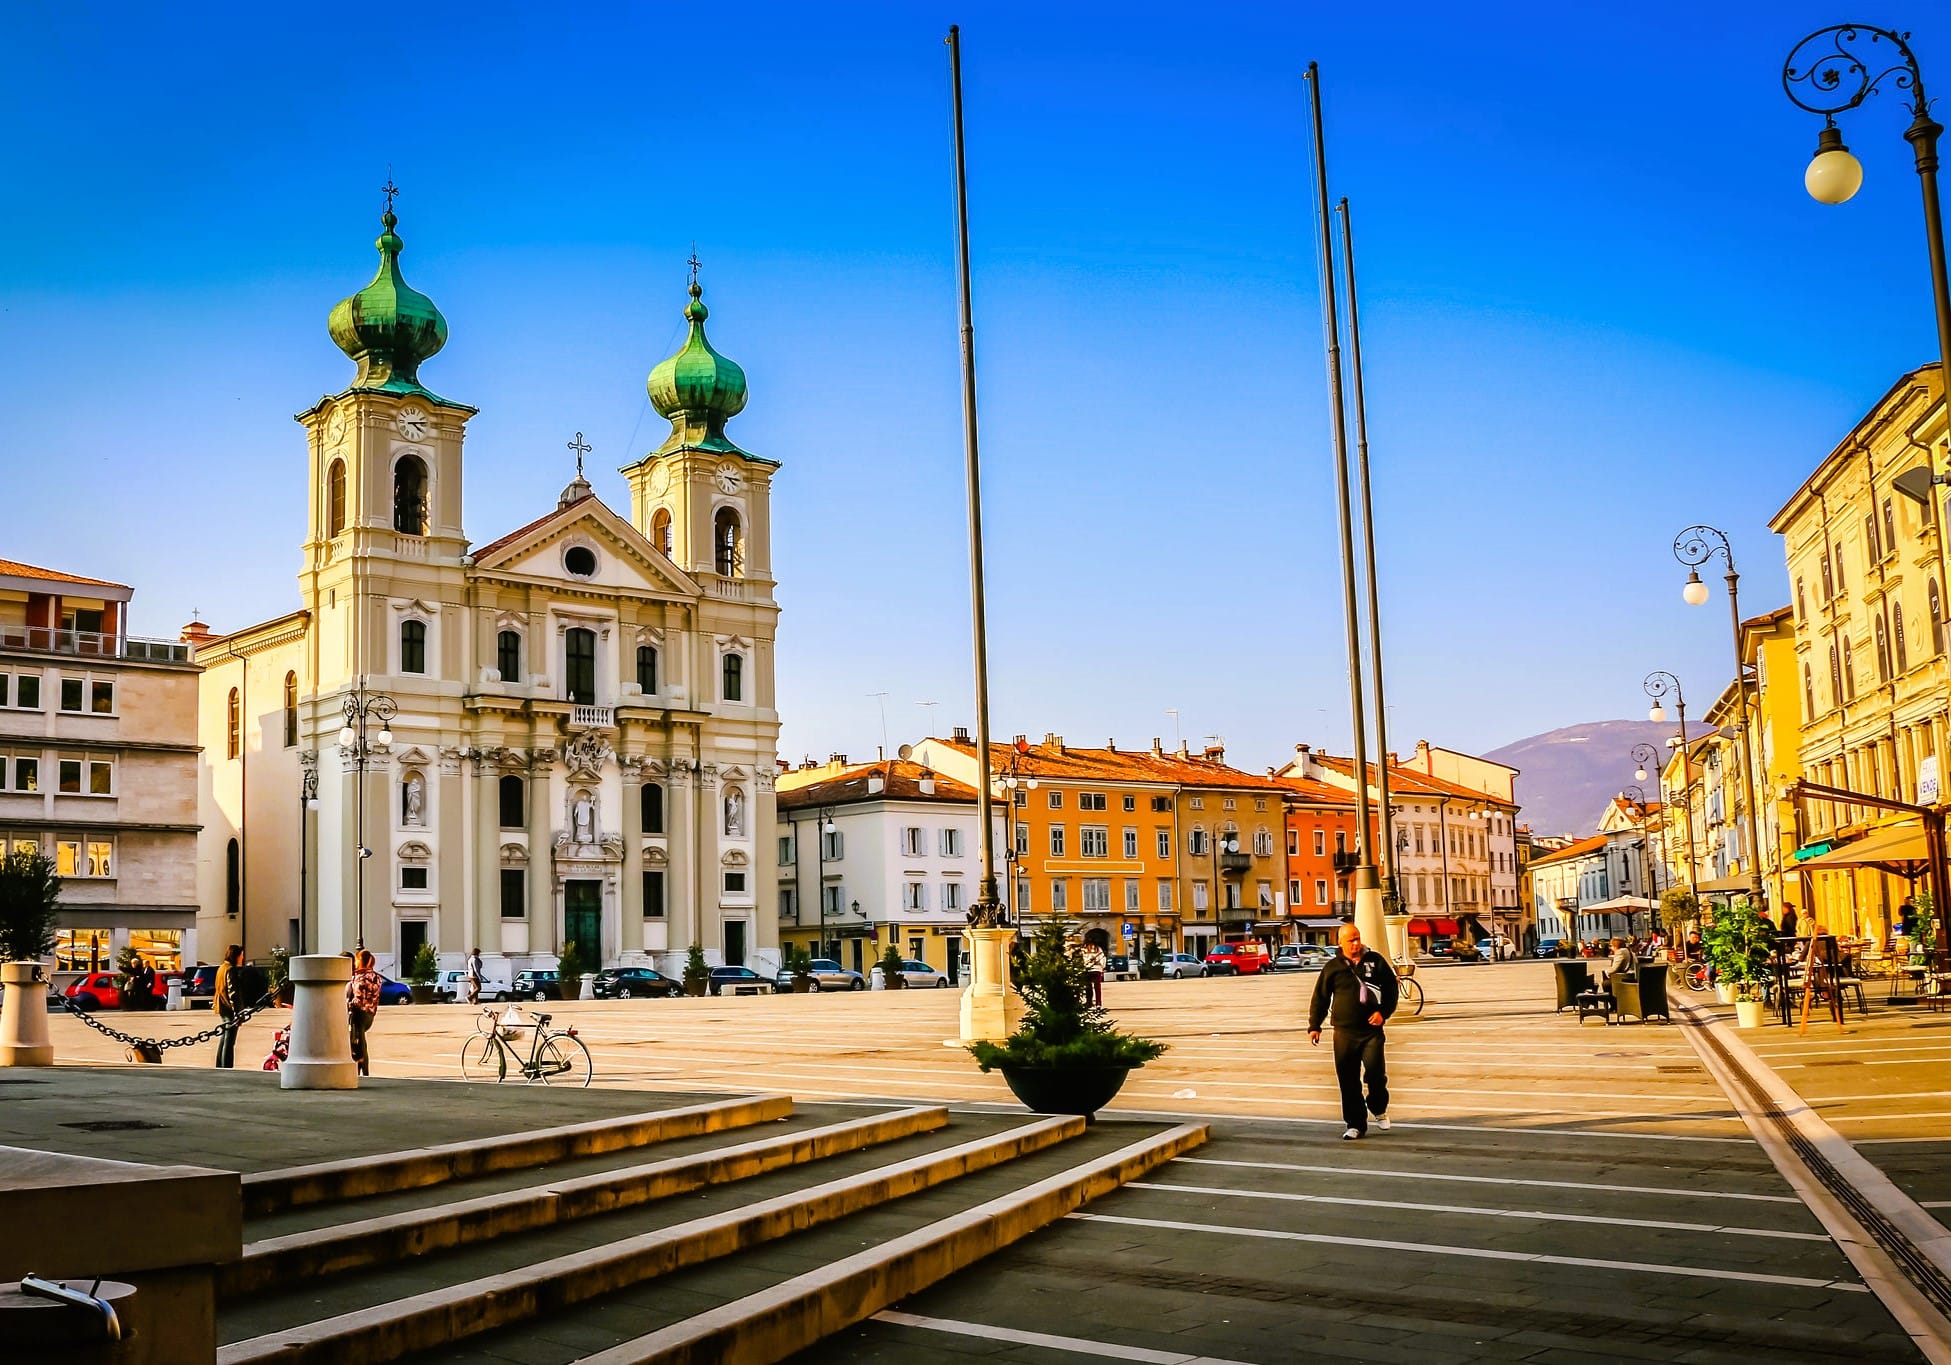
column 989, row 1010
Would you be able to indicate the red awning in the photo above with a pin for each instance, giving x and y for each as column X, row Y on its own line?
column 1420, row 926
column 1432, row 926
column 1446, row 926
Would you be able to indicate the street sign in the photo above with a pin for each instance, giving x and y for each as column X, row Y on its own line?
column 1927, row 781
column 1131, row 930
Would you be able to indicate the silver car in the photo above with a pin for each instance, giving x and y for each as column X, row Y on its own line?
column 829, row 975
column 921, row 974
column 1180, row 965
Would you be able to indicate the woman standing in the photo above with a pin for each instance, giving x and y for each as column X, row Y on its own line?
column 223, row 999
column 361, row 1005
column 1095, row 962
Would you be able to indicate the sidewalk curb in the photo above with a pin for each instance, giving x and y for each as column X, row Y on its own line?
column 1918, row 1308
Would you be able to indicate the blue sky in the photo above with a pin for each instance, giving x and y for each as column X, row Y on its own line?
column 1598, row 306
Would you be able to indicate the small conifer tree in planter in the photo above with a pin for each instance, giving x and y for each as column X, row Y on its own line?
column 1151, row 964
column 890, row 965
column 30, row 907
column 422, row 972
column 697, row 972
column 1065, row 1057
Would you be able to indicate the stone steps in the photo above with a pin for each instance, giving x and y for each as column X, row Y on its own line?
column 736, row 1221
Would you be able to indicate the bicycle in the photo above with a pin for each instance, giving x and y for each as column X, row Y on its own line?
column 554, row 1058
column 1698, row 977
column 1409, row 991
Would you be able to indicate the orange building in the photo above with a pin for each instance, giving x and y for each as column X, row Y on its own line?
column 1320, row 821
column 1140, row 843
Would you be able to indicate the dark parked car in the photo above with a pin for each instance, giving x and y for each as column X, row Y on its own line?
column 393, row 992
column 538, row 986
column 1547, row 947
column 738, row 978
column 199, row 984
column 634, row 983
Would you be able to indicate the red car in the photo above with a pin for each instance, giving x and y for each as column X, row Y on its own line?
column 96, row 991
column 1237, row 959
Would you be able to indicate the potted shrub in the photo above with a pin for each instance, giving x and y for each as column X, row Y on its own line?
column 569, row 970
column 799, row 961
column 1740, row 947
column 278, row 976
column 1151, row 963
column 697, row 973
column 1065, row 1057
column 422, row 973
column 30, row 903
column 890, row 965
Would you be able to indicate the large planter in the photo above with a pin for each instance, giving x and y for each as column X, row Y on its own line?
column 1151, row 973
column 23, row 1016
column 425, row 994
column 1724, row 993
column 802, row 984
column 694, row 988
column 1065, row 1089
column 1748, row 1013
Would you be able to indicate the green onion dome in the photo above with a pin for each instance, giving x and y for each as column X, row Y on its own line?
column 388, row 327
column 698, row 389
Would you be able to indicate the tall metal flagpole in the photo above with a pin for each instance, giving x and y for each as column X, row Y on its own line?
column 1390, row 892
column 985, row 1005
column 1368, row 892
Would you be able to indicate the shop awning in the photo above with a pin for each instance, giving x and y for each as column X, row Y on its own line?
column 1626, row 903
column 1728, row 886
column 1896, row 848
column 1432, row 926
column 1316, row 922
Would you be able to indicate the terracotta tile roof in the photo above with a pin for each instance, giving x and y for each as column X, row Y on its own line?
column 1627, row 805
column 1407, row 781
column 1576, row 850
column 1316, row 793
column 528, row 530
column 1068, row 764
column 901, row 781
column 13, row 568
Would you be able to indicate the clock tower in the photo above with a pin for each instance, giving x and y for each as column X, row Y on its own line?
column 700, row 499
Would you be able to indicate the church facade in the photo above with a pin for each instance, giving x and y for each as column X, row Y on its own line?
column 565, row 734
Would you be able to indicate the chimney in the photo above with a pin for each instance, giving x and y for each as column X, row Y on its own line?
column 880, row 753
column 962, row 734
column 1020, row 742
column 836, row 760
column 1395, row 760
column 1157, row 752
column 194, row 634
column 1183, row 751
column 1216, row 753
column 1112, row 745
column 1053, row 740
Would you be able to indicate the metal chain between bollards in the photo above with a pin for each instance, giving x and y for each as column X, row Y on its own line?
column 129, row 1041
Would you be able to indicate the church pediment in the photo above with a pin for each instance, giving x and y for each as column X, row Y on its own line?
column 585, row 543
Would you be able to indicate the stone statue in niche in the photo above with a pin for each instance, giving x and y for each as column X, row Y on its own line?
column 735, row 813
column 583, row 814
column 414, row 799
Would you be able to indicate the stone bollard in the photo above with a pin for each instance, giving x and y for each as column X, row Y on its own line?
column 320, row 1054
column 24, row 1039
column 589, row 986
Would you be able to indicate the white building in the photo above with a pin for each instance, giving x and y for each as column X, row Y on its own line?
column 580, row 712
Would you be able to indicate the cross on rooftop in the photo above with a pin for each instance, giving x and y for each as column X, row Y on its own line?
column 694, row 263
column 389, row 189
column 582, row 448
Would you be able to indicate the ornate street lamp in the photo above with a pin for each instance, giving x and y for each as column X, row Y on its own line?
column 1694, row 547
column 1660, row 683
column 361, row 709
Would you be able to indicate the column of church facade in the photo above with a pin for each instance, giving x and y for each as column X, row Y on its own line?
column 630, row 895
column 453, row 930
column 680, row 890
column 765, row 871
column 542, row 930
column 707, row 820
column 487, row 851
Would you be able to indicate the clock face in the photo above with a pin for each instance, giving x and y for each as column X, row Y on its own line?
column 412, row 423
column 729, row 480
column 335, row 426
column 659, row 478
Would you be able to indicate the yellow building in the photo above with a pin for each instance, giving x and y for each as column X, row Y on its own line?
column 1774, row 738
column 1866, row 573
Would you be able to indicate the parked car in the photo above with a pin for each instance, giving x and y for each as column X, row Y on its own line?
column 1181, row 965
column 393, row 992
column 537, row 985
column 635, row 983
column 1120, row 967
column 162, row 985
column 921, row 974
column 734, row 979
column 1300, row 957
column 95, row 991
column 199, row 985
column 452, row 986
column 828, row 975
column 1490, row 949
column 1236, row 959
column 1547, row 947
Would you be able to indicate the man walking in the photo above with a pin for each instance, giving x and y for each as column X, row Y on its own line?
column 1358, row 990
column 474, row 977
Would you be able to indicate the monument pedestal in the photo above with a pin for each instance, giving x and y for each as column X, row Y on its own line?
column 320, row 1055
column 989, row 1010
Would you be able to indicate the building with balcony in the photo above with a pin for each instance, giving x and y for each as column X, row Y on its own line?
column 1320, row 857
column 584, row 743
column 876, row 853
column 98, row 767
column 1141, row 843
column 1566, row 880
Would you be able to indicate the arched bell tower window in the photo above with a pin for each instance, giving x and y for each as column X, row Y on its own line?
column 651, row 807
column 291, row 710
column 410, row 496
column 728, row 543
column 660, row 531
column 734, row 689
column 335, row 499
column 413, row 646
column 233, row 725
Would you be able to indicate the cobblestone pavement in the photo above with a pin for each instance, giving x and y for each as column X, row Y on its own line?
column 1549, row 1191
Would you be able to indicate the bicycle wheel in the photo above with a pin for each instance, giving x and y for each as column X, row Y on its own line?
column 1412, row 994
column 482, row 1059
column 563, row 1060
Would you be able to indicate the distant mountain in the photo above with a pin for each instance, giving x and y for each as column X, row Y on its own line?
column 1567, row 776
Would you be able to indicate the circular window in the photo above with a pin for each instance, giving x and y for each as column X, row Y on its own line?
column 580, row 561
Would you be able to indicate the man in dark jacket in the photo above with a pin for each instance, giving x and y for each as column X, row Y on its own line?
column 1357, row 989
